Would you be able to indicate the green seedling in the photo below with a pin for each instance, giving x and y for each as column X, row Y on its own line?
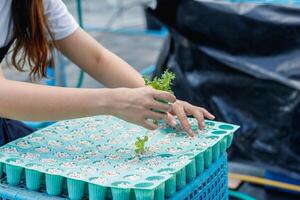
column 164, row 83
column 140, row 145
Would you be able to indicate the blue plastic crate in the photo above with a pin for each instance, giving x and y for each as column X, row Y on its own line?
column 211, row 185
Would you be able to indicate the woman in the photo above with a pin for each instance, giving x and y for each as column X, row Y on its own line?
column 33, row 27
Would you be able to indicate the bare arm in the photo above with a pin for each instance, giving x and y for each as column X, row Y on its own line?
column 31, row 102
column 26, row 101
column 98, row 62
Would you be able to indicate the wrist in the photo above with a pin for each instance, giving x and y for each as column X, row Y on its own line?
column 112, row 101
column 103, row 101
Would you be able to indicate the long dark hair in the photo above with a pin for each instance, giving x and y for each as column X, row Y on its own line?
column 30, row 36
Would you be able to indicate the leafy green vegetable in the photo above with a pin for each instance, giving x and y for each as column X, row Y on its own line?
column 164, row 83
column 140, row 145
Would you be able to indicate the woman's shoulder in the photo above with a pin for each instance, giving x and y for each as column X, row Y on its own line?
column 53, row 5
column 60, row 20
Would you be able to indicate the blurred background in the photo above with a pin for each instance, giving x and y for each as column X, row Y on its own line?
column 240, row 59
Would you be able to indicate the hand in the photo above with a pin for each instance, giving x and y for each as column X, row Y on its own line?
column 138, row 105
column 181, row 109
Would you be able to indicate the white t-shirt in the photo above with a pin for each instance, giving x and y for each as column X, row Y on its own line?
column 61, row 22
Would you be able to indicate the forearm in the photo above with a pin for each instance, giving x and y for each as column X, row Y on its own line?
column 97, row 61
column 116, row 73
column 25, row 101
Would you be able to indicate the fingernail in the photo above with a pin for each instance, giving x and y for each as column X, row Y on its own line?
column 203, row 124
column 200, row 125
column 191, row 133
column 173, row 123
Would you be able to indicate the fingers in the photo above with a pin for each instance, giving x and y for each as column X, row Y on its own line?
column 149, row 124
column 170, row 120
column 179, row 111
column 199, row 116
column 206, row 113
column 156, row 115
column 161, row 106
column 199, row 113
column 151, row 117
column 165, row 96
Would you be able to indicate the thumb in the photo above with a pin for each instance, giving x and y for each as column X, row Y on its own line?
column 170, row 120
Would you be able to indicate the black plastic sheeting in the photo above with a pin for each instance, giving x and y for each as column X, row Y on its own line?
column 242, row 62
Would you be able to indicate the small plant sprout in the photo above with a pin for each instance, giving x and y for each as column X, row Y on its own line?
column 140, row 145
column 164, row 83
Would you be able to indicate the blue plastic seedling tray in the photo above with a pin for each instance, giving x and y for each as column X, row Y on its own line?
column 96, row 157
column 211, row 184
